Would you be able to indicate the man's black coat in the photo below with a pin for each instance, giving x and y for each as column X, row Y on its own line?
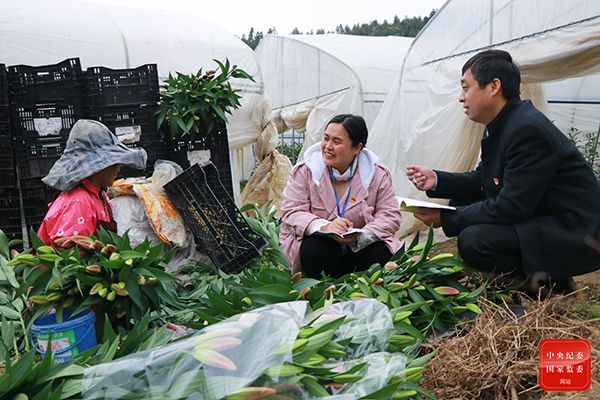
column 530, row 176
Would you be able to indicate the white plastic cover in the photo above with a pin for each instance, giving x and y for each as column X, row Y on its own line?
column 421, row 121
column 311, row 78
column 230, row 355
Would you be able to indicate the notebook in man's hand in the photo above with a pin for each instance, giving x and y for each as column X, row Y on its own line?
column 413, row 205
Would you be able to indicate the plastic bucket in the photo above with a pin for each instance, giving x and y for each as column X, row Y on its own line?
column 72, row 336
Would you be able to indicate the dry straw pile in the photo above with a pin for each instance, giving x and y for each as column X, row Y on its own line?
column 496, row 355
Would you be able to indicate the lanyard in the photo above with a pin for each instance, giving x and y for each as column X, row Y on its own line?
column 341, row 212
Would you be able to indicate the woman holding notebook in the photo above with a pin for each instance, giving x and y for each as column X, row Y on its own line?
column 339, row 212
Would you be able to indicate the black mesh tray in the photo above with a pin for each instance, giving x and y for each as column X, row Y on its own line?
column 217, row 224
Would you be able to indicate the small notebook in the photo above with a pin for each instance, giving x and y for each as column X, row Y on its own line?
column 413, row 205
column 347, row 233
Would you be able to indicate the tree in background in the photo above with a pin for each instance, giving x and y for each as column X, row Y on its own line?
column 254, row 38
column 408, row 27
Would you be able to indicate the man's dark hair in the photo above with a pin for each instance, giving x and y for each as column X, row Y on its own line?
column 355, row 125
column 491, row 64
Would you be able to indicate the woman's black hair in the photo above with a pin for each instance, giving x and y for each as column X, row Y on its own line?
column 355, row 125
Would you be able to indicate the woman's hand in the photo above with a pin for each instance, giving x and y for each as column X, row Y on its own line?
column 422, row 177
column 338, row 225
column 346, row 240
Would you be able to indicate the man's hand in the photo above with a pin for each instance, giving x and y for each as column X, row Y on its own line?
column 422, row 177
column 429, row 216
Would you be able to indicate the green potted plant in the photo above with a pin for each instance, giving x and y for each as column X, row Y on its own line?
column 195, row 104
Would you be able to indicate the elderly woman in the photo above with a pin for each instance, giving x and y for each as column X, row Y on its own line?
column 89, row 164
column 338, row 188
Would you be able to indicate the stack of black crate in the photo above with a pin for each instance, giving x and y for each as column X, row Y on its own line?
column 214, row 143
column 45, row 102
column 10, row 205
column 126, row 100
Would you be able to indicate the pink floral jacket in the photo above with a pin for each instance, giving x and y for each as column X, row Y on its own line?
column 375, row 209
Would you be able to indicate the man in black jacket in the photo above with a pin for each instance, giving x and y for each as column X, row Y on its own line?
column 531, row 201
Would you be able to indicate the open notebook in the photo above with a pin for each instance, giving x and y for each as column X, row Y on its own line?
column 347, row 233
column 413, row 205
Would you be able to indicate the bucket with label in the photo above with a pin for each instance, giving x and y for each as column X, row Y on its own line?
column 72, row 336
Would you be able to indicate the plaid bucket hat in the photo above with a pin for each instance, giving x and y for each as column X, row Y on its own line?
column 91, row 147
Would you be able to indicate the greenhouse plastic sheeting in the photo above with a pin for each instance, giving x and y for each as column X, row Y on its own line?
column 39, row 33
column 556, row 44
column 228, row 356
column 352, row 73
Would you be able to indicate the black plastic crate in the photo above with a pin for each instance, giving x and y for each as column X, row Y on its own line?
column 44, row 120
column 34, row 222
column 10, row 212
column 6, row 148
column 12, row 231
column 62, row 82
column 35, row 157
column 9, row 198
column 137, row 119
column 36, row 192
column 40, row 147
column 216, row 142
column 217, row 224
column 118, row 87
column 3, row 86
column 8, row 177
column 35, row 209
column 4, row 121
column 34, row 212
column 11, row 216
column 155, row 150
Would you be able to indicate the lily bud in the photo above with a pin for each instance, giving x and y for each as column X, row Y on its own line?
column 119, row 289
column 296, row 277
column 108, row 249
column 94, row 268
column 446, row 290
column 357, row 296
column 390, row 265
column 330, row 289
column 247, row 301
column 38, row 299
column 53, row 297
column 214, row 359
column 94, row 290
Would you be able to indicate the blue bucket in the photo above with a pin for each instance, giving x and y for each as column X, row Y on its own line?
column 69, row 338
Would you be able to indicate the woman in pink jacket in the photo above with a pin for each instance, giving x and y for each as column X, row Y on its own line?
column 339, row 212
